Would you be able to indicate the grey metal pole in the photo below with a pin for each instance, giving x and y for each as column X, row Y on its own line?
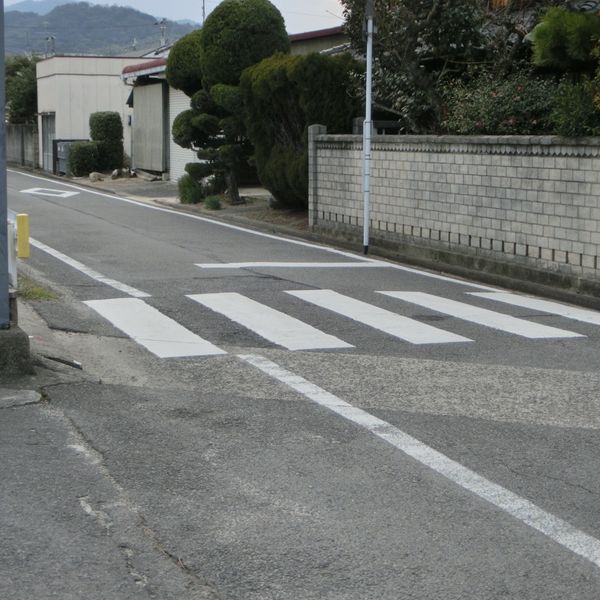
column 4, row 301
column 368, row 127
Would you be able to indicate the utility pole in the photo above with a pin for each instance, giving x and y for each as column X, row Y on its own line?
column 4, row 301
column 163, row 28
column 368, row 124
column 203, row 11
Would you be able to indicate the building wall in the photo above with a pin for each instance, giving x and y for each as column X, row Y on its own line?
column 22, row 145
column 178, row 156
column 149, row 149
column 318, row 44
column 74, row 87
column 530, row 202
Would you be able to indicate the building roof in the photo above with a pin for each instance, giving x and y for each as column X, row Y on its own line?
column 314, row 35
column 150, row 67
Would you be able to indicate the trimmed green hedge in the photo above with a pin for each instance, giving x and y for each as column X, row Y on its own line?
column 83, row 158
column 282, row 96
column 106, row 129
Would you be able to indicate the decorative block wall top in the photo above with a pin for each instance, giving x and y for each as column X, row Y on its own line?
column 529, row 145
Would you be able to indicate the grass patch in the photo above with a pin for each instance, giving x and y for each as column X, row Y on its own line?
column 28, row 289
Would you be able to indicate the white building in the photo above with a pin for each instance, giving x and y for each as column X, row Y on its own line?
column 70, row 89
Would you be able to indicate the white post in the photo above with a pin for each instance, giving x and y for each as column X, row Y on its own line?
column 4, row 301
column 368, row 127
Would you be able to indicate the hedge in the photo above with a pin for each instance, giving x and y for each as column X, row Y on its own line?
column 83, row 158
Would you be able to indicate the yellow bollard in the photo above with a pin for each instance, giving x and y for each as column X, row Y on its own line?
column 23, row 236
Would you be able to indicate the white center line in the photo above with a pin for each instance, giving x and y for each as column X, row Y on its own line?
column 75, row 264
column 556, row 529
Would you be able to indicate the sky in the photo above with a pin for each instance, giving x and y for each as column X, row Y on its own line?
column 299, row 16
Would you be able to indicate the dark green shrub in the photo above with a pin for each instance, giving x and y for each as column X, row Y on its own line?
column 213, row 203
column 515, row 105
column 237, row 34
column 183, row 65
column 283, row 95
column 190, row 191
column 110, row 155
column 106, row 127
column 83, row 158
column 574, row 111
column 564, row 40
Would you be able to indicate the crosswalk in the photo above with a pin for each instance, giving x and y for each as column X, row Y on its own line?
column 166, row 338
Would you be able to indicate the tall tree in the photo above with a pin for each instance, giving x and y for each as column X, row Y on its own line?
column 236, row 35
column 418, row 44
column 21, row 89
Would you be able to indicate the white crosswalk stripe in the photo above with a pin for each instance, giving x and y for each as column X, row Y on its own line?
column 391, row 323
column 161, row 335
column 482, row 316
column 269, row 323
column 547, row 306
column 166, row 338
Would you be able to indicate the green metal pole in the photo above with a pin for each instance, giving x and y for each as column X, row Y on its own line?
column 4, row 301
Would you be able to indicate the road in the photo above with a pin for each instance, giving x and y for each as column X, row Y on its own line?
column 291, row 421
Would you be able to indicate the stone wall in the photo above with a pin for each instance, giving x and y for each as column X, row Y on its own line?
column 22, row 145
column 517, row 205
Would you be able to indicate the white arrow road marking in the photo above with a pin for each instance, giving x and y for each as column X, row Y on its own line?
column 147, row 326
column 50, row 192
column 269, row 323
column 555, row 308
column 384, row 320
column 523, row 510
column 75, row 264
column 482, row 316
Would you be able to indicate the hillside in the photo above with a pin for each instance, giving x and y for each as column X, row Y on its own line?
column 82, row 28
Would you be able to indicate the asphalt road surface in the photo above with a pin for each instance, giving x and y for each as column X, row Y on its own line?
column 267, row 418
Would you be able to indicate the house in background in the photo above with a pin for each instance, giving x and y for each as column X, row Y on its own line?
column 324, row 40
column 155, row 105
column 70, row 89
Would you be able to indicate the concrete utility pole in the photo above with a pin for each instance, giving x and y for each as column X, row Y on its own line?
column 368, row 124
column 4, row 301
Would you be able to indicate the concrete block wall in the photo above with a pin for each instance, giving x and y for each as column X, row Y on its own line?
column 515, row 200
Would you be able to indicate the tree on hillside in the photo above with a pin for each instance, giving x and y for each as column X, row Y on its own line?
column 236, row 35
column 21, row 89
column 417, row 46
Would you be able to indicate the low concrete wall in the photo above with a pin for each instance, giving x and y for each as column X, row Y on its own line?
column 22, row 145
column 519, row 206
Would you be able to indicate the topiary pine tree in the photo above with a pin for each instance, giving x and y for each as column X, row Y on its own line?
column 283, row 95
column 236, row 35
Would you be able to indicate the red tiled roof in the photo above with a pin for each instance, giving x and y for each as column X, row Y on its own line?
column 157, row 63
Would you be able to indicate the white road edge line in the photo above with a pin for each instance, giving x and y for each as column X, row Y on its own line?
column 526, row 512
column 75, row 264
column 270, row 236
column 291, row 265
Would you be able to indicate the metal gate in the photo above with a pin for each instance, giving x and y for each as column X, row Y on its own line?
column 48, row 135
